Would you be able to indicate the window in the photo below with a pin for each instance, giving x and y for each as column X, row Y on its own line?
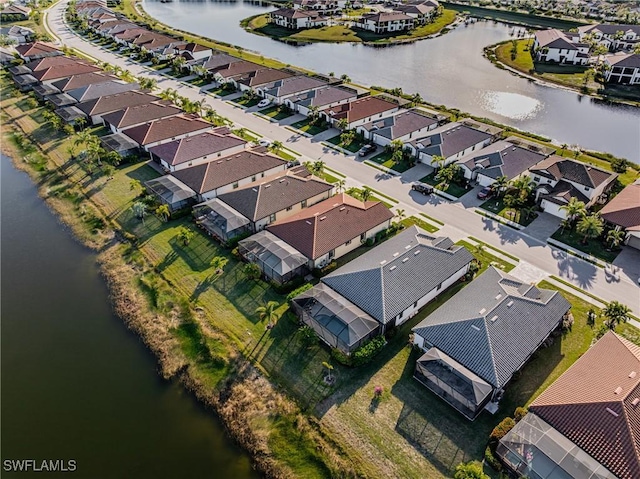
column 586, row 188
column 253, row 178
column 190, row 163
column 235, row 185
column 415, row 305
column 363, row 236
column 262, row 175
column 348, row 243
column 438, row 287
column 289, row 208
column 219, row 155
column 272, row 217
column 303, row 204
column 536, row 179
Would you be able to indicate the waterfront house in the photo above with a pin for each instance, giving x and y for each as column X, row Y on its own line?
column 170, row 191
column 297, row 19
column 332, row 228
column 17, row 34
column 452, row 141
column 586, row 423
column 91, row 92
column 321, row 98
column 360, row 112
column 196, row 150
column 97, row 108
column 161, row 131
column 129, row 117
column 288, row 87
column 13, row 12
column 623, row 68
column 6, row 56
column 612, row 36
column 193, row 51
column 84, row 79
column 276, row 197
column 559, row 179
column 228, row 73
column 402, row 126
column 475, row 342
column 381, row 289
column 34, row 51
column 324, row 7
column 556, row 46
column 57, row 72
column 215, row 61
column 255, row 80
column 509, row 158
column 420, row 12
column 385, row 22
column 623, row 212
column 225, row 174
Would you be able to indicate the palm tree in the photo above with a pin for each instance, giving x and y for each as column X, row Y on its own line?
column 615, row 313
column 446, row 175
column 340, row 185
column 169, row 94
column 574, row 209
column 345, row 78
column 276, row 146
column 365, row 193
column 524, row 186
column 135, row 185
column 400, row 214
column 590, row 226
column 438, row 160
column 81, row 122
column 268, row 312
column 139, row 209
column 342, row 124
column 510, row 201
column 500, row 185
column 416, row 99
column 185, row 235
column 314, row 113
column 163, row 212
column 147, row 83
column 347, row 137
column 615, row 238
column 218, row 263
column 177, row 64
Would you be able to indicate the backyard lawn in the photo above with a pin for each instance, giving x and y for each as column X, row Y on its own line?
column 454, row 189
column 594, row 246
column 497, row 207
column 384, row 159
column 306, row 126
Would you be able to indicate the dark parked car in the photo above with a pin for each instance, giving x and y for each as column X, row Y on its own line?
column 366, row 149
column 293, row 163
column 422, row 188
column 485, row 193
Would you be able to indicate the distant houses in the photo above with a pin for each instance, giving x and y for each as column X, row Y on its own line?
column 560, row 47
column 623, row 212
column 297, row 19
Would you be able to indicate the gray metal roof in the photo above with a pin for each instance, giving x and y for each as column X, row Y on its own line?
column 273, row 252
column 504, row 158
column 390, row 278
column 451, row 140
column 494, row 324
column 96, row 90
column 324, row 96
column 400, row 124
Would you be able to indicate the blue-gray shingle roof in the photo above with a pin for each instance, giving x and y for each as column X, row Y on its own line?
column 494, row 325
column 390, row 278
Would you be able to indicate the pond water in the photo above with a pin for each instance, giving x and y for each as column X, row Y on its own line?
column 448, row 70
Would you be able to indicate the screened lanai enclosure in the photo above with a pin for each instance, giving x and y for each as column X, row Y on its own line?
column 278, row 260
column 171, row 192
column 220, row 220
column 460, row 387
column 336, row 320
column 534, row 449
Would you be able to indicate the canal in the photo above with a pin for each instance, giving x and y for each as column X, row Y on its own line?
column 448, row 70
column 76, row 384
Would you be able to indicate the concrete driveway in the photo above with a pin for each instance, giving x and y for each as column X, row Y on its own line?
column 543, row 226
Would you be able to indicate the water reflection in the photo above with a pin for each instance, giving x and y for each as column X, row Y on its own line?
column 510, row 105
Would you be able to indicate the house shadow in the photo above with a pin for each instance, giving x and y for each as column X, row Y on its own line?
column 197, row 254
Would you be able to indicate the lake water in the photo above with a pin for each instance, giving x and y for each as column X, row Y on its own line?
column 448, row 70
column 76, row 384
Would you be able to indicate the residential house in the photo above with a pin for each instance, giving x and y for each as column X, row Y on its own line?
column 172, row 192
column 475, row 342
column 289, row 87
column 324, row 7
column 623, row 68
column 91, row 92
column 128, row 117
column 225, row 174
column 623, row 211
column 260, row 78
column 385, row 22
column 97, row 108
column 452, row 141
column 332, row 228
column 15, row 12
column 37, row 50
column 196, row 150
column 161, row 131
column 297, row 19
column 193, row 51
column 402, row 126
column 586, row 423
column 228, row 73
column 510, row 158
column 560, row 47
column 16, row 34
column 62, row 71
column 360, row 112
column 421, row 13
column 6, row 56
column 84, row 79
column 381, row 289
column 321, row 98
column 215, row 62
column 559, row 179
column 613, row 36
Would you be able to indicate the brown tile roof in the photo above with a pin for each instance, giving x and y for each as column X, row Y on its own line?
column 49, row 62
column 624, row 209
column 159, row 130
column 595, row 404
column 82, row 80
column 236, row 68
column 261, row 77
column 131, row 33
column 37, row 49
column 331, row 223
column 359, row 109
column 383, row 17
column 227, row 170
column 135, row 115
column 269, row 195
column 107, row 104
column 63, row 71
column 198, row 146
column 558, row 168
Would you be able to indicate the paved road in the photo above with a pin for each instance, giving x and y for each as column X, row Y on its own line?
column 461, row 221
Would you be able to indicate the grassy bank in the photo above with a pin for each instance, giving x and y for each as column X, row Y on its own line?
column 342, row 33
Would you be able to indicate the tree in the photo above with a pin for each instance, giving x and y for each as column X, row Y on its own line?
column 147, row 83
column 177, row 64
column 139, row 209
column 169, row 94
column 342, row 124
column 347, row 137
column 590, row 226
column 416, row 99
column 314, row 114
column 163, row 212
column 615, row 313
column 446, row 175
column 470, row 470
column 438, row 160
column 615, row 238
column 252, row 271
column 218, row 263
column 269, row 313
column 400, row 214
column 108, row 170
column 500, row 185
column 135, row 185
column 81, row 122
column 345, row 78
column 185, row 235
column 340, row 185
column 365, row 193
column 510, row 201
column 574, row 209
column 523, row 185
column 276, row 146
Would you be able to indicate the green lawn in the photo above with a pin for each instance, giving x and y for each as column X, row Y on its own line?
column 199, row 81
column 497, row 207
column 594, row 246
column 285, row 154
column 412, row 220
column 221, row 91
column 486, row 259
column 353, row 147
column 246, row 102
column 306, row 126
column 384, row 159
column 277, row 112
column 454, row 189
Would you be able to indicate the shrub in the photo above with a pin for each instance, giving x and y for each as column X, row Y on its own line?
column 619, row 165
column 519, row 413
column 252, row 271
column 492, row 460
column 500, row 431
column 320, row 272
column 307, row 335
column 299, row 290
column 233, row 242
column 470, row 470
column 289, row 286
column 367, row 351
column 340, row 357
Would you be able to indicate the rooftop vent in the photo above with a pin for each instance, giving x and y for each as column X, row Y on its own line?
column 254, row 189
column 393, row 267
column 513, row 149
column 635, row 401
column 308, row 222
column 267, row 186
column 282, row 180
column 383, row 261
column 632, row 374
column 322, row 218
column 473, row 326
column 404, row 260
column 395, row 254
column 509, row 304
column 498, row 297
column 407, row 247
column 612, row 412
column 218, row 162
column 483, row 310
column 618, row 390
column 342, row 208
column 416, row 252
column 493, row 320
